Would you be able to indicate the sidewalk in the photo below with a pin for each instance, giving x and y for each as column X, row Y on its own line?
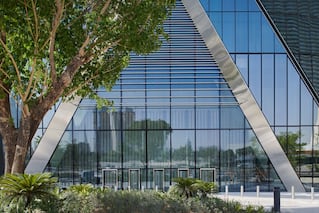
column 301, row 203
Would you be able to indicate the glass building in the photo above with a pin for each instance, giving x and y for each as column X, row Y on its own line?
column 231, row 97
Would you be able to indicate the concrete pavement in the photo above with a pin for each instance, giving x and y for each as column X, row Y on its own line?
column 300, row 203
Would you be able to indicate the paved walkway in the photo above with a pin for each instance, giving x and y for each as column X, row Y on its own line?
column 301, row 203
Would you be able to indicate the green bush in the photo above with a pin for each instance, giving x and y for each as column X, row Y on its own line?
column 139, row 202
column 38, row 194
column 27, row 192
column 191, row 187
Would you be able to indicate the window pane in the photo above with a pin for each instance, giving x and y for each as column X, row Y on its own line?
column 242, row 32
column 207, row 148
column 207, row 117
column 158, row 148
column 280, row 89
column 293, row 96
column 228, row 31
column 255, row 76
column 254, row 32
column 183, row 149
column 182, row 117
column 231, row 117
column 134, row 149
column 268, row 77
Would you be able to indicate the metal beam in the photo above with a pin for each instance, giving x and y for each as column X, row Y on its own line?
column 52, row 136
column 248, row 104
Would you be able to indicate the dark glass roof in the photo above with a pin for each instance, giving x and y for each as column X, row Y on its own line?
column 298, row 24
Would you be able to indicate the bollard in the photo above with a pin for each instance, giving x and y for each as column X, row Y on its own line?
column 226, row 191
column 241, row 190
column 292, row 192
column 142, row 188
column 257, row 191
column 156, row 188
column 276, row 199
column 312, row 193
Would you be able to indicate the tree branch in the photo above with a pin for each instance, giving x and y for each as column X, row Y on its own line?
column 14, row 65
column 55, row 25
column 28, row 18
column 106, row 5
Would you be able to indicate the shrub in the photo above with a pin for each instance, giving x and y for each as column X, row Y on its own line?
column 139, row 202
column 22, row 192
column 191, row 187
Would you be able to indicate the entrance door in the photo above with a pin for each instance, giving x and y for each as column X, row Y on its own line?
column 109, row 178
column 208, row 174
column 158, row 179
column 134, row 179
column 183, row 173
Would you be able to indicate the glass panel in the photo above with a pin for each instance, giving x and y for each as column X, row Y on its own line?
column 268, row 77
column 84, row 118
column 241, row 5
column 134, row 178
column 109, row 178
column 216, row 5
column 133, row 118
column 158, row 148
column 182, row 117
column 184, row 173
column 216, row 18
column 256, row 164
column 108, row 120
column 255, row 76
column 315, row 157
column 109, row 148
column 232, row 141
column 228, row 31
column 61, row 162
column 229, row 5
column 293, row 96
column 207, row 153
column 242, row 32
column 309, row 141
column 242, row 64
column 183, row 149
column 207, row 117
column 306, row 106
column 134, row 149
column 280, row 89
column 84, row 150
column 208, row 174
column 231, row 117
column 268, row 37
column 254, row 32
column 158, row 179
column 158, row 118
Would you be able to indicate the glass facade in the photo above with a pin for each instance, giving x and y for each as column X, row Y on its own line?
column 175, row 115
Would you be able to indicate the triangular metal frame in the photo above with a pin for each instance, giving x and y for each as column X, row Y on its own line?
column 246, row 101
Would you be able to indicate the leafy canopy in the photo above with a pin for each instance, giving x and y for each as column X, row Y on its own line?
column 43, row 41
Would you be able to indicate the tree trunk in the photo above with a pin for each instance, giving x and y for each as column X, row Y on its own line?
column 18, row 165
column 9, row 155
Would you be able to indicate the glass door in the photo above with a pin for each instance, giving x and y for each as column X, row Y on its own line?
column 134, row 179
column 109, row 178
column 208, row 174
column 158, row 179
column 183, row 173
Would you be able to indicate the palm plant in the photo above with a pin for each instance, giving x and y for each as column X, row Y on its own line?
column 192, row 187
column 185, row 187
column 21, row 191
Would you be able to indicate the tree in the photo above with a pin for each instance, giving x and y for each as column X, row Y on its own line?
column 51, row 50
